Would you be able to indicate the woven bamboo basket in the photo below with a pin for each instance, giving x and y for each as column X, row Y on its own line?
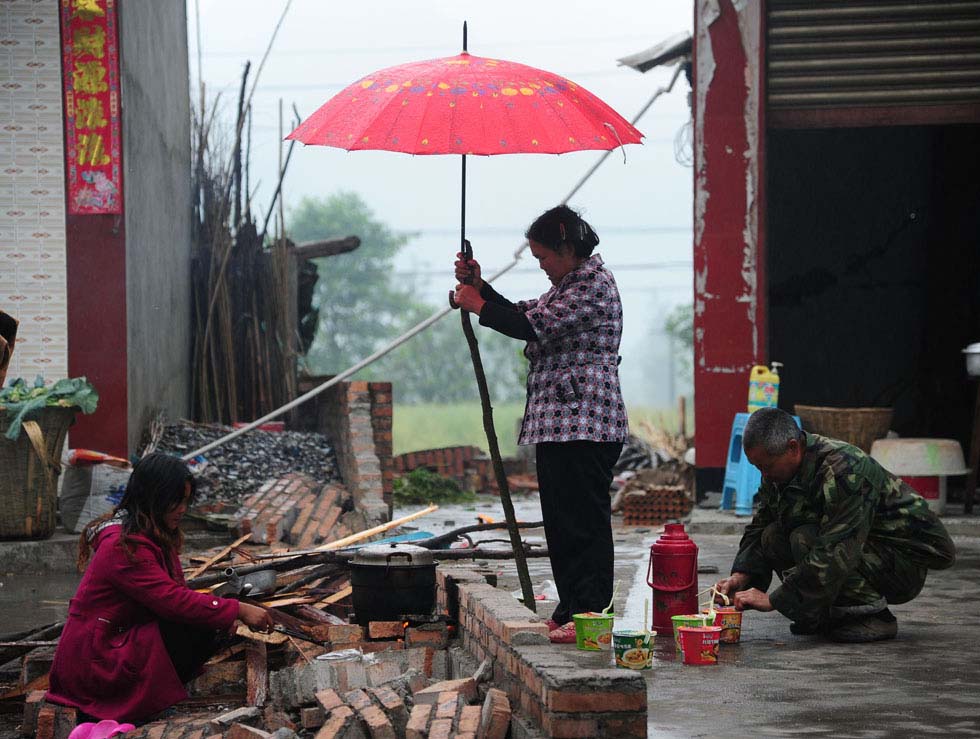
column 29, row 469
column 857, row 426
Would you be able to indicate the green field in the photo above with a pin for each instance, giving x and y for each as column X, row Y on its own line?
column 433, row 425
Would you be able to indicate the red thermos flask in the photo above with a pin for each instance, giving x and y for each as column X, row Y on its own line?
column 673, row 575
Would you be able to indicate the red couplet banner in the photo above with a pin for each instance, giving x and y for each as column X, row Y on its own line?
column 90, row 73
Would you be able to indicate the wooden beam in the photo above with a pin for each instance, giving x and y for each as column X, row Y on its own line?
column 256, row 673
column 326, row 248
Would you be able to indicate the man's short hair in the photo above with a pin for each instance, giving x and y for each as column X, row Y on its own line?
column 772, row 430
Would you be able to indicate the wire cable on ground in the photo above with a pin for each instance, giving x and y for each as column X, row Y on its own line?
column 420, row 327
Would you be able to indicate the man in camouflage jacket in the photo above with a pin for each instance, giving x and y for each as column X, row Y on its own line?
column 845, row 537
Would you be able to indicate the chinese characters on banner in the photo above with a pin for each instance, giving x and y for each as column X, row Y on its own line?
column 90, row 61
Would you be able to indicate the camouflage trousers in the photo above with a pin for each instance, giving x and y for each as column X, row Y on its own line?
column 882, row 576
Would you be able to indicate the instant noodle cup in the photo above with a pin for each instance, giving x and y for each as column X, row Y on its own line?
column 633, row 649
column 691, row 619
column 699, row 644
column 730, row 621
column 593, row 631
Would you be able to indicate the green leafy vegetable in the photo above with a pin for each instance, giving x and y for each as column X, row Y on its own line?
column 23, row 401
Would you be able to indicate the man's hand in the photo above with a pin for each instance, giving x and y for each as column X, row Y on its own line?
column 732, row 584
column 752, row 599
column 468, row 298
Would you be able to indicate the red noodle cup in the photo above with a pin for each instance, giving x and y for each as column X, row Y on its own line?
column 730, row 622
column 699, row 644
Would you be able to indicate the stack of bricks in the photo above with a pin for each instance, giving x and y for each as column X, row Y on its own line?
column 446, row 710
column 381, row 422
column 296, row 510
column 654, row 505
column 539, row 679
column 467, row 465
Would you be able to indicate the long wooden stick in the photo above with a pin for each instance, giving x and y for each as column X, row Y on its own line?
column 368, row 533
column 218, row 557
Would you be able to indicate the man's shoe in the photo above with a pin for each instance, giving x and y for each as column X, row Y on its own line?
column 806, row 628
column 873, row 627
column 563, row 634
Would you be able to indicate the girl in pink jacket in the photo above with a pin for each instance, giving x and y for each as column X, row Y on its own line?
column 135, row 632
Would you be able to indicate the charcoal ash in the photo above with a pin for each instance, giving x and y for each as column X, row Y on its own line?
column 231, row 472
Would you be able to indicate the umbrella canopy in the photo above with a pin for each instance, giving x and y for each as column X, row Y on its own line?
column 466, row 105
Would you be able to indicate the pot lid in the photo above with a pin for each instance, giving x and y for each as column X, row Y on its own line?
column 395, row 554
column 972, row 349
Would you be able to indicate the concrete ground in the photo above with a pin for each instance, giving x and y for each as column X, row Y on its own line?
column 925, row 683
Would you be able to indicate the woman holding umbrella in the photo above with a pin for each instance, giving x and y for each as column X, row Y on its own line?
column 575, row 413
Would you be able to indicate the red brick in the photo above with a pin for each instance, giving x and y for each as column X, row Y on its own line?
column 469, row 719
column 441, row 729
column 495, row 715
column 357, row 699
column 568, row 701
column 465, row 687
column 329, row 699
column 418, row 722
column 509, row 628
column 45, row 723
column 386, row 629
column 378, row 724
column 626, row 727
column 312, row 718
column 337, row 725
column 425, row 638
column 447, row 704
column 561, row 727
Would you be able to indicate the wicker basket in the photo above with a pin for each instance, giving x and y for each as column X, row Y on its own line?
column 29, row 477
column 857, row 426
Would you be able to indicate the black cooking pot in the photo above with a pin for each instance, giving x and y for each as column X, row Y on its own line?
column 392, row 580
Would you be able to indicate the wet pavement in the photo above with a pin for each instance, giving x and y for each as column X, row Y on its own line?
column 924, row 683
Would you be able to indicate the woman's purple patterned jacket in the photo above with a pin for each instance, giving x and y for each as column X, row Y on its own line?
column 573, row 384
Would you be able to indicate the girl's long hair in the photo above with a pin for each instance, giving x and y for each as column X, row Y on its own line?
column 156, row 486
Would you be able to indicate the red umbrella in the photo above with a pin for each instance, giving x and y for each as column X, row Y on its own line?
column 466, row 105
column 469, row 105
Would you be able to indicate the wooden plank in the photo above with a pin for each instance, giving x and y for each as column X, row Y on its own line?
column 217, row 557
column 273, row 638
column 339, row 595
column 257, row 673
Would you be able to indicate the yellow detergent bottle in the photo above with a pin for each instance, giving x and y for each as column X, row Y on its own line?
column 764, row 386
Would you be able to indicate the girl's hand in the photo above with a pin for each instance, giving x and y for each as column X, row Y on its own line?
column 468, row 298
column 468, row 270
column 256, row 618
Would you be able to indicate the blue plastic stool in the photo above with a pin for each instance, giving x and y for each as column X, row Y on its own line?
column 742, row 478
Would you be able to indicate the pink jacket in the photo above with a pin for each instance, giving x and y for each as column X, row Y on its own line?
column 111, row 661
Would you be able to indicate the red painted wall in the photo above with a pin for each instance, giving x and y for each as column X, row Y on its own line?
column 730, row 309
column 96, row 255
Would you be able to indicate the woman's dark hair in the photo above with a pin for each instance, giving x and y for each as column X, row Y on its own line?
column 562, row 225
column 156, row 486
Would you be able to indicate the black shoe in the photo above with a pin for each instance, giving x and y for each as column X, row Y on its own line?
column 860, row 629
column 806, row 628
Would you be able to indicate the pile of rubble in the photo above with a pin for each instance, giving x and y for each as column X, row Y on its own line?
column 237, row 468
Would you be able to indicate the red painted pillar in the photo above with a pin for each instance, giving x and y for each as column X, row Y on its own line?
column 729, row 284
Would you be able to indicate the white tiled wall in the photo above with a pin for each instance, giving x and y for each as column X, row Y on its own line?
column 32, row 184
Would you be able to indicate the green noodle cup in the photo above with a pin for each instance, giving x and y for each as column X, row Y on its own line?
column 593, row 631
column 633, row 649
column 691, row 619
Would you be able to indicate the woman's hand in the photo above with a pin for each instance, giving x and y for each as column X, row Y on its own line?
column 256, row 618
column 468, row 270
column 731, row 585
column 468, row 298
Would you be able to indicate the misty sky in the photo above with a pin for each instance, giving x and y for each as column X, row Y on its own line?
column 641, row 210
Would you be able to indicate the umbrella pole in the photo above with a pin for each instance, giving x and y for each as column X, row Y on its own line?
column 520, row 558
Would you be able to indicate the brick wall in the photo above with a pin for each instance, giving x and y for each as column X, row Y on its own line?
column 468, row 465
column 541, row 681
column 356, row 417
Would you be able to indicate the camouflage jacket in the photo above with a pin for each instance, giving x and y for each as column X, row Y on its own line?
column 851, row 499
